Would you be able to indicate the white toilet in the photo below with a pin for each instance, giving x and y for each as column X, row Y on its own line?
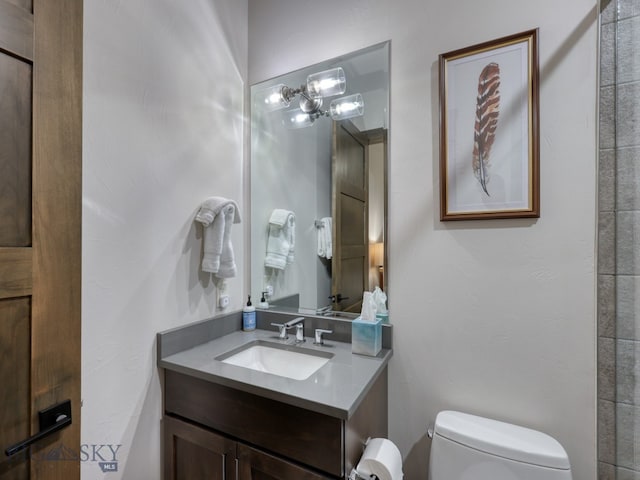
column 467, row 447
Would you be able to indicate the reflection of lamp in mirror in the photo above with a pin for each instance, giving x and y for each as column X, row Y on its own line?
column 376, row 253
column 327, row 83
column 347, row 107
column 272, row 98
column 318, row 86
column 296, row 118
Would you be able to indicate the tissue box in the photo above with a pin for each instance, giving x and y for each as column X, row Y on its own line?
column 366, row 337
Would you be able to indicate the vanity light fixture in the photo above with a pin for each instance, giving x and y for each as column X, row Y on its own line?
column 311, row 98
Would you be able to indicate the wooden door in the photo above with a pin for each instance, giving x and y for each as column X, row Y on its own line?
column 350, row 211
column 257, row 465
column 193, row 453
column 40, row 231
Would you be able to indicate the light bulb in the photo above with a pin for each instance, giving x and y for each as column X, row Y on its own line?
column 271, row 98
column 296, row 118
column 347, row 107
column 327, row 83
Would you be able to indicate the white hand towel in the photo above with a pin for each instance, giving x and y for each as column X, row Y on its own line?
column 281, row 242
column 327, row 224
column 212, row 206
column 227, row 268
column 279, row 217
column 217, row 214
column 322, row 246
column 325, row 248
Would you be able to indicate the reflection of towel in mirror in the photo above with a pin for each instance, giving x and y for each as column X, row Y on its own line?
column 325, row 247
column 282, row 239
column 217, row 214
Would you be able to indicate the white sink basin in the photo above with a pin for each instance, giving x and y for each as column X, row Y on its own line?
column 282, row 360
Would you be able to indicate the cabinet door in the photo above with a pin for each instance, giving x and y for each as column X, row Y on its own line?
column 256, row 465
column 193, row 453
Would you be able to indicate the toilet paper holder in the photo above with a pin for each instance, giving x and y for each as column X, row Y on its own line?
column 354, row 475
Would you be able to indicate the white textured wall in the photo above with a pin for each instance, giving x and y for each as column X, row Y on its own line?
column 495, row 318
column 163, row 129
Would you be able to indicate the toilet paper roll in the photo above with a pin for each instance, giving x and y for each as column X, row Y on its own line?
column 381, row 458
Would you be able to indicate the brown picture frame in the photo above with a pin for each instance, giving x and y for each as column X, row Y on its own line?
column 489, row 130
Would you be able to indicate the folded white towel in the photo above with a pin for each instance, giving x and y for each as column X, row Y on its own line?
column 282, row 239
column 217, row 214
column 327, row 223
column 322, row 246
column 279, row 217
column 212, row 206
column 325, row 246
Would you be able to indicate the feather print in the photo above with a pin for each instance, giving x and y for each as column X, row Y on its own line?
column 487, row 110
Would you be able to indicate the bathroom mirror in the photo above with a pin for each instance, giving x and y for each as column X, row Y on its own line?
column 331, row 175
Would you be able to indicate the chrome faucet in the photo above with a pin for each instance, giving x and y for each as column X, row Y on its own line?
column 299, row 324
column 284, row 327
column 282, row 330
column 319, row 331
column 300, row 332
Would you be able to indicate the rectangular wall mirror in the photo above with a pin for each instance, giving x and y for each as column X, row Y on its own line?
column 318, row 184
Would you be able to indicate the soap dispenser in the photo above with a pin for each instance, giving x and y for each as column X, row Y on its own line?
column 249, row 316
column 263, row 301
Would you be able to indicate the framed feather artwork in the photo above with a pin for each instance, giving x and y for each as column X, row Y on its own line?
column 489, row 141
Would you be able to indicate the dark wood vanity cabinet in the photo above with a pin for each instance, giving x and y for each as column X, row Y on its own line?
column 216, row 432
column 192, row 452
column 255, row 464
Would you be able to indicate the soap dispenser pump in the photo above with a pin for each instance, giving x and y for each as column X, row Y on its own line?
column 249, row 316
column 263, row 301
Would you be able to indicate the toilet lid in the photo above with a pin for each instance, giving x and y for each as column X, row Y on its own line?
column 502, row 439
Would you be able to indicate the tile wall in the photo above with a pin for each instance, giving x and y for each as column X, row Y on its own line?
column 619, row 242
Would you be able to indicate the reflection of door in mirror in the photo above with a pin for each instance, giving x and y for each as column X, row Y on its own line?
column 351, row 184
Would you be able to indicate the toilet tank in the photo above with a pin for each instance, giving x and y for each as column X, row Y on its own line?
column 467, row 447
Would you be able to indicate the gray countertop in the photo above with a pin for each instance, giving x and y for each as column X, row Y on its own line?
column 336, row 389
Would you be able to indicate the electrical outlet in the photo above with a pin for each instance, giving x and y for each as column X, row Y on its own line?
column 269, row 290
column 223, row 301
